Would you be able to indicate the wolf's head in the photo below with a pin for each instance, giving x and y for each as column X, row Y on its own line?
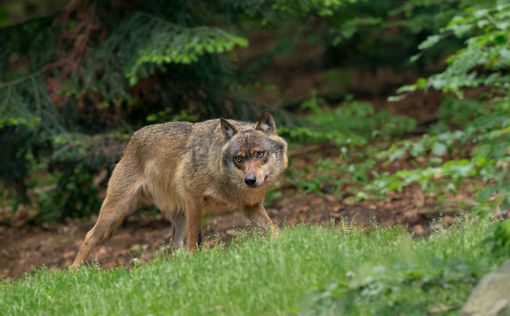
column 254, row 155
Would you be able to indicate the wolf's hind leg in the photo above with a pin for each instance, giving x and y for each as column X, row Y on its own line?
column 113, row 211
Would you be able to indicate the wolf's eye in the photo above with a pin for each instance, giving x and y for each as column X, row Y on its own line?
column 238, row 159
column 260, row 154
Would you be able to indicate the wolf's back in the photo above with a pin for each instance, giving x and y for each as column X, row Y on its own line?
column 159, row 141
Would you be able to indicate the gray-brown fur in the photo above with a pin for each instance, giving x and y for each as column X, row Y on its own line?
column 188, row 170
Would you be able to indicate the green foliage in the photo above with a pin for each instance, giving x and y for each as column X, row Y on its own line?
column 485, row 28
column 351, row 127
column 306, row 270
column 467, row 145
column 354, row 123
column 78, row 159
column 76, row 195
column 167, row 43
column 453, row 173
column 344, row 19
column 27, row 118
column 140, row 46
column 15, row 161
column 306, row 7
column 26, row 48
column 386, row 292
column 332, row 175
column 356, row 119
column 409, row 286
column 475, row 130
column 498, row 239
column 373, row 29
column 482, row 122
column 26, row 102
column 481, row 141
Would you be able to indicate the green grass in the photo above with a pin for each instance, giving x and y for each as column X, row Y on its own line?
column 306, row 270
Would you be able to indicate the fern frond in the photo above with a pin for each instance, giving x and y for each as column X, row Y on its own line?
column 165, row 42
column 142, row 45
column 26, row 102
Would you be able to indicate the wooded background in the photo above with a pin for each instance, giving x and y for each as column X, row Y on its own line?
column 78, row 77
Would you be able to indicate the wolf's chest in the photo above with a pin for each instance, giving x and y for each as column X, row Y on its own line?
column 215, row 206
column 216, row 203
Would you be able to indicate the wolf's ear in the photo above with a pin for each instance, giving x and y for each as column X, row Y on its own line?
column 266, row 123
column 228, row 129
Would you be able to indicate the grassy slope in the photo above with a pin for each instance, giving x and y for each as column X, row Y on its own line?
column 306, row 270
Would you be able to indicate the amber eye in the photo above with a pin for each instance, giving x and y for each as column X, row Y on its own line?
column 260, row 154
column 238, row 159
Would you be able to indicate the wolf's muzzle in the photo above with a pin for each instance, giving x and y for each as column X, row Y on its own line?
column 250, row 180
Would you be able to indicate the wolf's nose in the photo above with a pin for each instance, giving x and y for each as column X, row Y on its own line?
column 250, row 179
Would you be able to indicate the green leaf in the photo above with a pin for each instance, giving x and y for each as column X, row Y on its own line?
column 439, row 149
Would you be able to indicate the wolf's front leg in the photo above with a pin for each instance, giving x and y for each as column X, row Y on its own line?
column 193, row 219
column 258, row 216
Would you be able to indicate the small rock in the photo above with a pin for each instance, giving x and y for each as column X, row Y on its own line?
column 491, row 296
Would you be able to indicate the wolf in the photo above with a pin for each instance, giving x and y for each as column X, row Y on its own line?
column 190, row 169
